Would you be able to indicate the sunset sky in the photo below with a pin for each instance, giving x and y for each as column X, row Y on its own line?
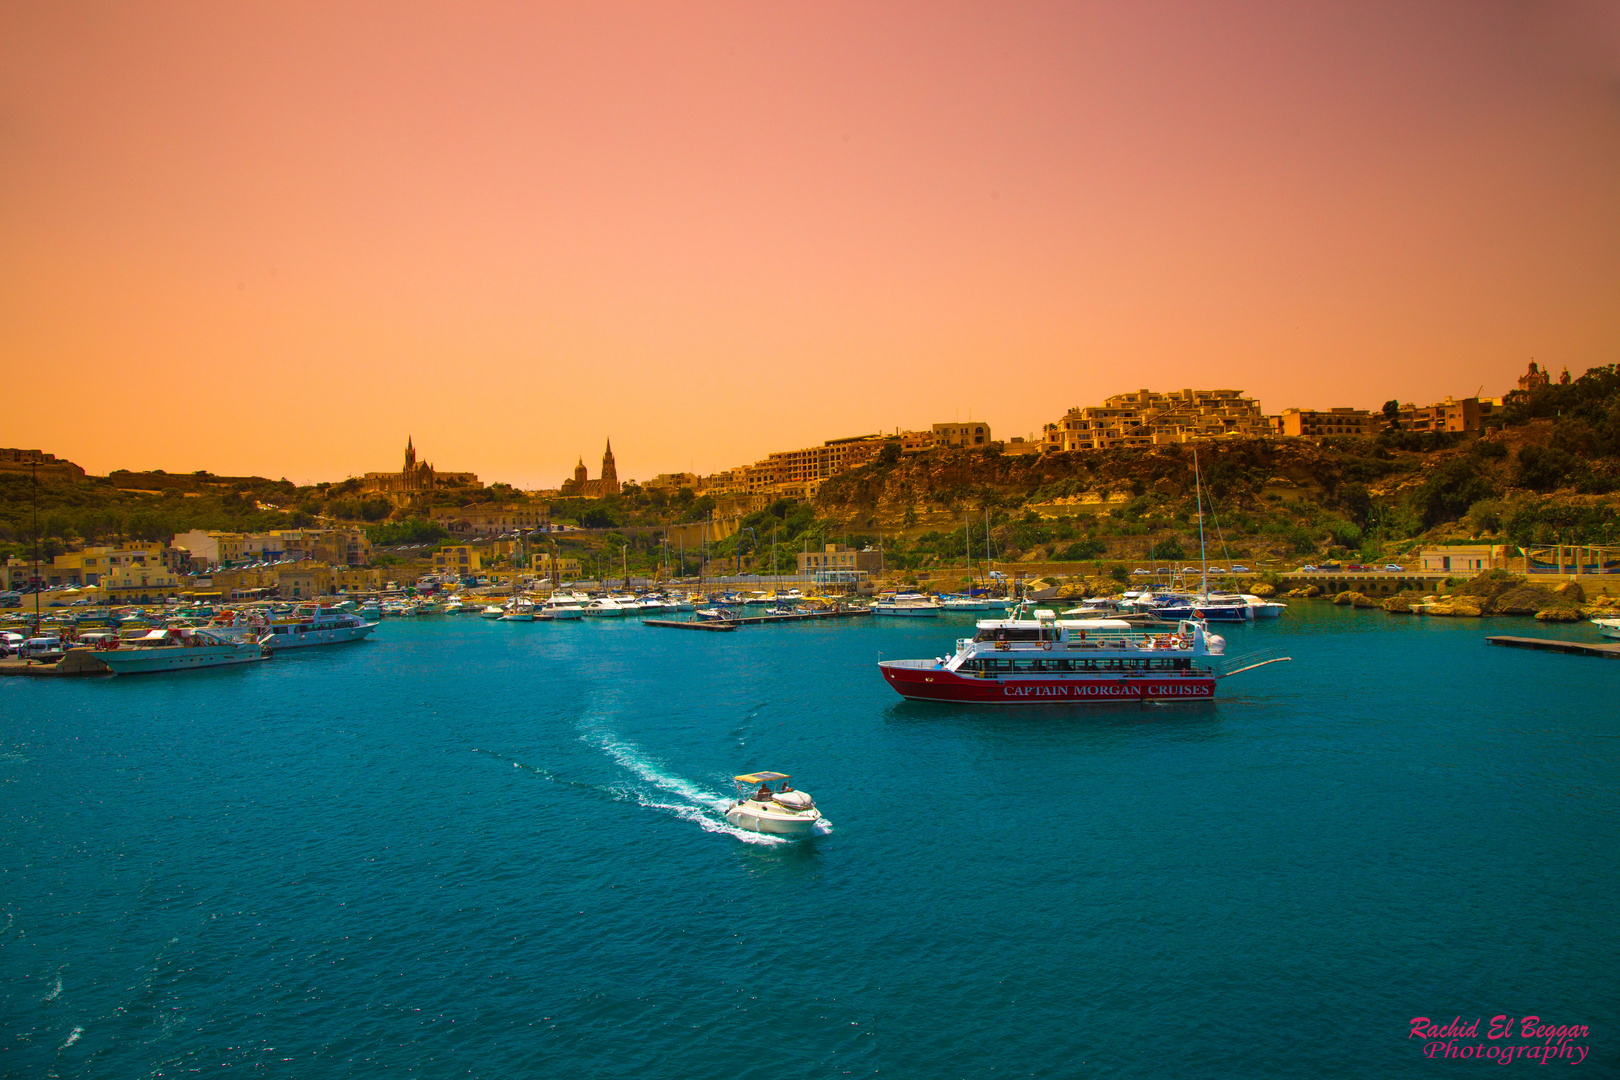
column 277, row 238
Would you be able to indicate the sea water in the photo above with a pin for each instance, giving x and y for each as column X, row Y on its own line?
column 491, row 849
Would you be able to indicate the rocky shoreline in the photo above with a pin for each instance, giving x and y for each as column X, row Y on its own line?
column 1495, row 592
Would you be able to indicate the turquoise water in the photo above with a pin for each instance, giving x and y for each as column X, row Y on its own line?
column 491, row 850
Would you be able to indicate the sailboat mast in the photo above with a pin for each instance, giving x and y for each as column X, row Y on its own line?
column 1203, row 560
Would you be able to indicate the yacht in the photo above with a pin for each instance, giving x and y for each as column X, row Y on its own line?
column 1607, row 627
column 561, row 606
column 604, row 607
column 780, row 812
column 491, row 612
column 315, row 627
column 180, row 649
column 969, row 603
column 909, row 605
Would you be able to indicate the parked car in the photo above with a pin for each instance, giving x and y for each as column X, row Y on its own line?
column 1393, row 569
column 1139, row 570
column 1239, row 568
column 1307, row 569
column 1216, row 570
column 1357, row 566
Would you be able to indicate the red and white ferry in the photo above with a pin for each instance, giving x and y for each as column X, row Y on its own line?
column 1045, row 660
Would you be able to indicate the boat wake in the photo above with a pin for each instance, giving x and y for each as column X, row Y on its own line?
column 703, row 808
column 655, row 789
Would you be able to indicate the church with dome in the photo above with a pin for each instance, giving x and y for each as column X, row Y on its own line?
column 582, row 485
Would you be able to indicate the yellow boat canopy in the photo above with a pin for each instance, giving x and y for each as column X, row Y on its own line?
column 760, row 777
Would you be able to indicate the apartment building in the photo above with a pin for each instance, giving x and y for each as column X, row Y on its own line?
column 1317, row 423
column 1148, row 418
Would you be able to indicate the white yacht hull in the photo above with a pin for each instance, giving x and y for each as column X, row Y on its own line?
column 920, row 611
column 336, row 635
column 179, row 658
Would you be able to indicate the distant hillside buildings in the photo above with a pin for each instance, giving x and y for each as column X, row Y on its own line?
column 32, row 461
column 1146, row 418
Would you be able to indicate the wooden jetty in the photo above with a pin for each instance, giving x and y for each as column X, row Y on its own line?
column 805, row 616
column 1574, row 648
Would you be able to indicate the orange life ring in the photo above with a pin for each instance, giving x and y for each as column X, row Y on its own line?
column 1047, row 645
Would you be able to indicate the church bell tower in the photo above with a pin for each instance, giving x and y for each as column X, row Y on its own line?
column 610, row 475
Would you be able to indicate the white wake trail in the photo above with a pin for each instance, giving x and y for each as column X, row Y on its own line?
column 703, row 808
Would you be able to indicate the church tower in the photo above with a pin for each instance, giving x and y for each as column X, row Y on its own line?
column 610, row 475
column 410, row 455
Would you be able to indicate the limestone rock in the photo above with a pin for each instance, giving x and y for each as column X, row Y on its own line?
column 1343, row 598
column 1398, row 605
column 1362, row 600
column 1262, row 590
column 1570, row 591
column 1559, row 614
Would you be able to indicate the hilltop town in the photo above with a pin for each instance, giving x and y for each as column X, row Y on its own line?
column 1105, row 490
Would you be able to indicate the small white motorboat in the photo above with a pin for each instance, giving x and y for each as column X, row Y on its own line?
column 782, row 812
column 491, row 612
column 1608, row 627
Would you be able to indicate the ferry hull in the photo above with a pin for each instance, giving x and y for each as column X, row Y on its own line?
column 925, row 682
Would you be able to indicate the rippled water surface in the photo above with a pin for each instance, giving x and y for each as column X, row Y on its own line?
column 490, row 850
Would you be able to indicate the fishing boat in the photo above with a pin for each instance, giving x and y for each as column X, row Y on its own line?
column 180, row 649
column 493, row 611
column 1045, row 660
column 780, row 812
column 315, row 627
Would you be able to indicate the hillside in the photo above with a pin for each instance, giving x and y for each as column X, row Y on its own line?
column 1547, row 471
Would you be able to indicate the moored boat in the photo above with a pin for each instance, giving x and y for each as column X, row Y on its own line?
column 315, row 627
column 180, row 649
column 908, row 605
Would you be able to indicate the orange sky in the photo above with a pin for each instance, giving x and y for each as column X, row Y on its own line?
column 276, row 238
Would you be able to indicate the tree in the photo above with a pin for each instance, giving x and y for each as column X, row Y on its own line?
column 1392, row 413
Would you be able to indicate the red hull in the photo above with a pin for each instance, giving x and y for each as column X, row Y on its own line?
column 927, row 683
